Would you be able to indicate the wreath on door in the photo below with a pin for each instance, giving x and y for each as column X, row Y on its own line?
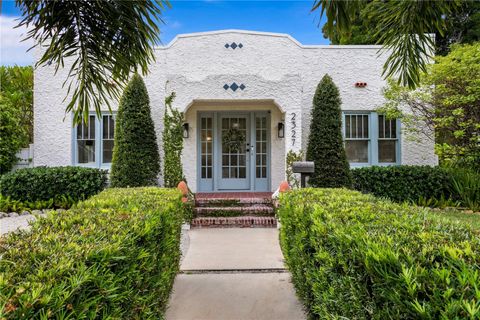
column 234, row 138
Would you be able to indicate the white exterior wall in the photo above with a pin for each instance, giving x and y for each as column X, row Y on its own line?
column 273, row 67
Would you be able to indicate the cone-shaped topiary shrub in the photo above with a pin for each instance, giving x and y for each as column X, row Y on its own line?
column 136, row 161
column 325, row 145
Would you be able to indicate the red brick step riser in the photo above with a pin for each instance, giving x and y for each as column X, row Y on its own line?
column 234, row 222
column 257, row 210
column 232, row 202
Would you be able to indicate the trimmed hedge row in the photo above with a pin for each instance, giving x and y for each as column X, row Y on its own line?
column 403, row 183
column 354, row 256
column 46, row 183
column 113, row 256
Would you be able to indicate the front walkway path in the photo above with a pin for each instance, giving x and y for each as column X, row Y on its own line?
column 15, row 223
column 233, row 274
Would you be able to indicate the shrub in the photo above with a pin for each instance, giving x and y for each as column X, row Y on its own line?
column 354, row 256
column 325, row 143
column 135, row 160
column 465, row 187
column 172, row 144
column 16, row 113
column 403, row 183
column 113, row 256
column 57, row 183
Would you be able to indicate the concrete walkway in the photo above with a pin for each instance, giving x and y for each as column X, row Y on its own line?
column 15, row 223
column 232, row 274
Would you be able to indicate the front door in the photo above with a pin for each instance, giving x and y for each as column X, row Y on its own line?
column 234, row 153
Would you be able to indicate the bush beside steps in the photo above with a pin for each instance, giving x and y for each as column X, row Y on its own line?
column 354, row 256
column 113, row 256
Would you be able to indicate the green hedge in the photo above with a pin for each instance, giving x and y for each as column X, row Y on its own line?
column 113, row 256
column 45, row 183
column 403, row 183
column 354, row 256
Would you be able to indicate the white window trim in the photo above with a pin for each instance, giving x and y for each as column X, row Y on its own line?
column 98, row 143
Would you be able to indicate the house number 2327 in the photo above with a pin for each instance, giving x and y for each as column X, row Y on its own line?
column 293, row 122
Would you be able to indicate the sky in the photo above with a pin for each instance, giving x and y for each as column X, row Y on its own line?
column 292, row 17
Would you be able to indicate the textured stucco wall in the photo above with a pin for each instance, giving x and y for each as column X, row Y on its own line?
column 273, row 67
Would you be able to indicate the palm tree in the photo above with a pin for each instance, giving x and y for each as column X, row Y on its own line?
column 403, row 28
column 103, row 41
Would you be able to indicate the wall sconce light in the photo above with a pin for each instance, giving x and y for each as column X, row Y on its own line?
column 281, row 130
column 185, row 130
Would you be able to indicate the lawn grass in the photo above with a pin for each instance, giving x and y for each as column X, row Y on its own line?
column 458, row 216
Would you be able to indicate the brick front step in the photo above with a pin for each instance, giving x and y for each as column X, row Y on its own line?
column 234, row 222
column 251, row 210
column 231, row 202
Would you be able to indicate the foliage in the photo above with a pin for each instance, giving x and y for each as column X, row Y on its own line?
column 423, row 185
column 101, row 43
column 402, row 183
column 113, row 256
column 172, row 144
column 12, row 134
column 16, row 113
column 57, row 183
column 465, row 187
column 460, row 217
column 362, row 29
column 325, row 143
column 292, row 177
column 7, row 204
column 354, row 256
column 136, row 161
column 406, row 40
column 461, row 26
column 447, row 102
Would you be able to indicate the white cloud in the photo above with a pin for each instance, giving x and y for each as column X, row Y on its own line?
column 12, row 49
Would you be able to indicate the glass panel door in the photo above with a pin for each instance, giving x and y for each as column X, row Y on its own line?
column 261, row 152
column 206, row 152
column 234, row 134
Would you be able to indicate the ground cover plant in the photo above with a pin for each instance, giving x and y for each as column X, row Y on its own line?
column 7, row 204
column 356, row 256
column 57, row 184
column 113, row 256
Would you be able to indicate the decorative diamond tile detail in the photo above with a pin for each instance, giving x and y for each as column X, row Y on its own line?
column 234, row 45
column 234, row 86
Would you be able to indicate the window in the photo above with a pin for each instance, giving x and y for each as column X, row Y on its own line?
column 107, row 143
column 206, row 136
column 387, row 140
column 357, row 138
column 371, row 139
column 94, row 141
column 86, row 141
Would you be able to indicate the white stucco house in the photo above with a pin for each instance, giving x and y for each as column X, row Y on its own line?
column 255, row 85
